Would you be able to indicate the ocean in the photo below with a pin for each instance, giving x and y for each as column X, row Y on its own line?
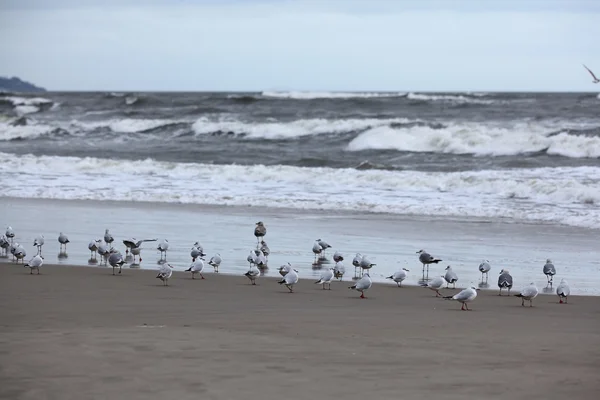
column 524, row 157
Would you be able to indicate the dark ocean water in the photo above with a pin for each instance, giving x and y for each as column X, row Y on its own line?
column 531, row 156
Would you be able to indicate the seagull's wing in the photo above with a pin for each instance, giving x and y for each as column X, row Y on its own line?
column 590, row 71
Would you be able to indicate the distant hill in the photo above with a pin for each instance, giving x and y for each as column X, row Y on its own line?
column 15, row 84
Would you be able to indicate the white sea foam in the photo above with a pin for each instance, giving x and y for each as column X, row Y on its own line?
column 449, row 98
column 565, row 195
column 29, row 131
column 23, row 110
column 330, row 95
column 26, row 101
column 477, row 139
column 289, row 130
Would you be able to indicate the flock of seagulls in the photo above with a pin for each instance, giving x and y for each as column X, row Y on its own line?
column 258, row 259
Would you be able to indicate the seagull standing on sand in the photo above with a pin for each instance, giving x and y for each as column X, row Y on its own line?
column 285, row 268
column 290, row 279
column 260, row 231
column 356, row 262
column 36, row 262
column 116, row 260
column 435, row 284
column 63, row 240
column 164, row 273
column 19, row 253
column 464, row 296
column 563, row 291
column 484, row 268
column 104, row 252
column 339, row 270
column 337, row 257
column 596, row 80
column 163, row 246
column 317, row 249
column 253, row 274
column 505, row 280
column 549, row 271
column 326, row 278
column 398, row 276
column 427, row 259
column 39, row 242
column 215, row 262
column 10, row 234
column 362, row 285
column 528, row 293
column 196, row 268
column 450, row 277
column 252, row 258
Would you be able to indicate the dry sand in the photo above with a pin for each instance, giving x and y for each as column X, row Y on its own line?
column 80, row 333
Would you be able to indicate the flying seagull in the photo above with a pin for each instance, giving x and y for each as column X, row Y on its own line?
column 596, row 80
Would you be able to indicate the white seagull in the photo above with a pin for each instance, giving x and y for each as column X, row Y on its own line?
column 339, row 270
column 164, row 273
column 362, row 285
column 563, row 291
column 290, row 279
column 326, row 278
column 253, row 274
column 464, row 296
column 37, row 261
column 528, row 293
column 435, row 284
column 450, row 277
column 398, row 276
column 484, row 268
column 215, row 262
column 63, row 240
column 39, row 242
column 196, row 268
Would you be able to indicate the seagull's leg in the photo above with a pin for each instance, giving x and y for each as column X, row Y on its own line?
column 500, row 292
column 454, row 287
column 113, row 270
column 530, row 302
column 31, row 271
column 202, row 275
column 120, row 268
column 522, row 302
column 462, row 308
column 467, row 307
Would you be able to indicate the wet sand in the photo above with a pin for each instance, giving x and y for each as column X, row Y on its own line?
column 390, row 241
column 81, row 333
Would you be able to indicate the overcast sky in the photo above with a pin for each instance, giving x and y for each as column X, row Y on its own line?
column 231, row 45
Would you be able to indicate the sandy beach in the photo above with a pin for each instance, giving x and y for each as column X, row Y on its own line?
column 81, row 333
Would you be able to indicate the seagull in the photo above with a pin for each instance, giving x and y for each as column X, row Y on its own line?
column 326, row 278
column 366, row 264
column 528, row 293
column 549, row 271
column 290, row 279
column 13, row 248
column 104, row 251
column 197, row 251
column 108, row 238
column 450, row 277
column 134, row 246
column 596, row 80
column 265, row 249
column 484, row 268
column 398, row 276
column 10, row 233
column 39, row 242
column 563, row 291
column 339, row 270
column 253, row 274
column 337, row 257
column 317, row 249
column 63, row 240
column 163, row 246
column 362, row 285
column 36, row 262
column 164, row 273
column 260, row 232
column 356, row 262
column 196, row 268
column 93, row 247
column 215, row 261
column 4, row 244
column 19, row 253
column 324, row 245
column 116, row 260
column 505, row 280
column 285, row 268
column 252, row 258
column 261, row 260
column 464, row 296
column 435, row 284
column 427, row 259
